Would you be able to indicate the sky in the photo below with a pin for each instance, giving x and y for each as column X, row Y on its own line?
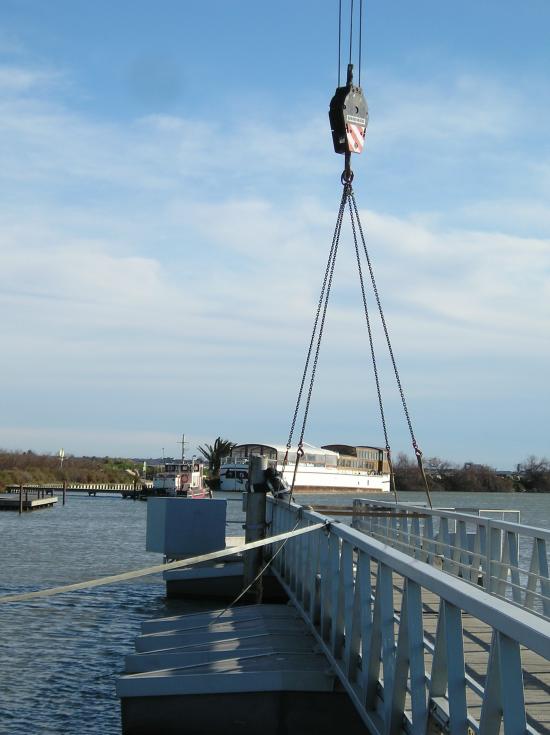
column 168, row 194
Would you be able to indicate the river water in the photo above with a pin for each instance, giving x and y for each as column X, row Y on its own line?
column 60, row 656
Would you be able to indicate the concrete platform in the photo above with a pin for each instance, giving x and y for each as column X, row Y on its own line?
column 254, row 670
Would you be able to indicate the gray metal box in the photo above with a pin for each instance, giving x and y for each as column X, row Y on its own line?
column 185, row 526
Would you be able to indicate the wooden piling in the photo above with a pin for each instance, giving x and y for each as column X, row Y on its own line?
column 64, row 490
column 20, row 499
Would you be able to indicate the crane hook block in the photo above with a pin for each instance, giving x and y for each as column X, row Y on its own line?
column 348, row 115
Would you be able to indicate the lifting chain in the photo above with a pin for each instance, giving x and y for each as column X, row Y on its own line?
column 348, row 197
column 349, row 116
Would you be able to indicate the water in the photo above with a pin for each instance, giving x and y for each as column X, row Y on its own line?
column 60, row 656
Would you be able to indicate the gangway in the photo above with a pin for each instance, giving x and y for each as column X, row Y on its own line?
column 417, row 649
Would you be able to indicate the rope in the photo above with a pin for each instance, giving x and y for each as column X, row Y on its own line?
column 24, row 596
column 257, row 577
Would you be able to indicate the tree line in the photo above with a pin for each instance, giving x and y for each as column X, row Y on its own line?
column 532, row 475
column 30, row 467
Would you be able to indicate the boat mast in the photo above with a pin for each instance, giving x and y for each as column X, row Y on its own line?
column 183, row 443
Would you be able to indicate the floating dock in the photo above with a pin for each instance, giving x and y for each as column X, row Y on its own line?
column 27, row 502
column 218, row 581
column 448, row 633
column 255, row 669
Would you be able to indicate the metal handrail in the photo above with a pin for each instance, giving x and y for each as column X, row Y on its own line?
column 341, row 581
column 508, row 559
column 458, row 516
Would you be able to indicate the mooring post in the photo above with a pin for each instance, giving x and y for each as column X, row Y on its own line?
column 255, row 524
column 135, row 488
column 64, row 490
column 20, row 499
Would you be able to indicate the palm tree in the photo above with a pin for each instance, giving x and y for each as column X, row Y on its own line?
column 214, row 454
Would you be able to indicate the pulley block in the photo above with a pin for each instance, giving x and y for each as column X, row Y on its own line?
column 348, row 115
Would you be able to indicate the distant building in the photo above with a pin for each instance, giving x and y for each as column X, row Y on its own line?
column 372, row 459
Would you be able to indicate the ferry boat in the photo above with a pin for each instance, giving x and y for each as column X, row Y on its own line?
column 183, row 478
column 329, row 468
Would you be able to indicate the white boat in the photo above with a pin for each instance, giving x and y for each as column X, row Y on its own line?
column 322, row 469
column 183, row 479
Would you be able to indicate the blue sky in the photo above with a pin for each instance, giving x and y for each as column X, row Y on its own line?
column 168, row 195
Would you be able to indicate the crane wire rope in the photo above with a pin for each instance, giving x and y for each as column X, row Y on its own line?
column 350, row 31
column 339, row 37
column 360, row 36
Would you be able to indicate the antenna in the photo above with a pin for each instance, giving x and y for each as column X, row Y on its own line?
column 183, row 443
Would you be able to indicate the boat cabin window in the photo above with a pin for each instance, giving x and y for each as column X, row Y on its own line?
column 245, row 450
column 317, row 459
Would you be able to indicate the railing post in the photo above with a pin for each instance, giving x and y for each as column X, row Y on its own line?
column 493, row 544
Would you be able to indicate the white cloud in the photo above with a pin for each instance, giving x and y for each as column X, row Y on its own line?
column 450, row 111
column 140, row 275
column 15, row 80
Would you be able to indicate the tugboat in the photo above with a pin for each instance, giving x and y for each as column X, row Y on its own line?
column 183, row 479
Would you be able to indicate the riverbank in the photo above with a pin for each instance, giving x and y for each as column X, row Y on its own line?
column 20, row 468
column 531, row 476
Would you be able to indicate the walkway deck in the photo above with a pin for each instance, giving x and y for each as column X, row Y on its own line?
column 262, row 648
column 197, row 664
column 477, row 643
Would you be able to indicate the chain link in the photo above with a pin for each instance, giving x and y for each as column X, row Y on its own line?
column 318, row 328
column 372, row 352
column 416, row 448
column 335, row 238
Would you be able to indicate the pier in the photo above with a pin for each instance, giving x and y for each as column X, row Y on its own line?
column 27, row 501
column 414, row 613
column 413, row 620
column 255, row 669
column 92, row 488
